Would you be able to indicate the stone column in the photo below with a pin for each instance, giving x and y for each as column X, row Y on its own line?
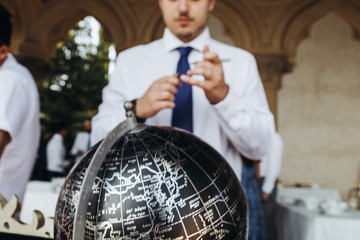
column 271, row 68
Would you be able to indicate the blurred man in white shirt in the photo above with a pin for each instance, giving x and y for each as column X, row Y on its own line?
column 19, row 118
column 82, row 141
column 56, row 153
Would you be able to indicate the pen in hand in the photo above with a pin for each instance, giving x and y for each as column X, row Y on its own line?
column 221, row 60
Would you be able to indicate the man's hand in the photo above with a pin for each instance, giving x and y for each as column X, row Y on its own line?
column 4, row 140
column 80, row 153
column 160, row 95
column 211, row 69
column 265, row 196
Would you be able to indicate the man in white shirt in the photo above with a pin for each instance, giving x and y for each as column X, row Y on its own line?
column 56, row 153
column 19, row 118
column 82, row 141
column 270, row 167
column 230, row 111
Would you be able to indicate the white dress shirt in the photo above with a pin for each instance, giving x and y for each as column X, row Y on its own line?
column 241, row 123
column 19, row 116
column 55, row 154
column 270, row 165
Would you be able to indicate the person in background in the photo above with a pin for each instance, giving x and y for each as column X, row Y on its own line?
column 251, row 188
column 56, row 152
column 82, row 141
column 259, row 183
column 19, row 118
column 269, row 171
column 220, row 99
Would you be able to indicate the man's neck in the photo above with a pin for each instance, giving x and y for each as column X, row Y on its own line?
column 2, row 61
column 172, row 41
column 4, row 53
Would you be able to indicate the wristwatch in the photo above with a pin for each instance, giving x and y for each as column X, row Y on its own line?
column 130, row 107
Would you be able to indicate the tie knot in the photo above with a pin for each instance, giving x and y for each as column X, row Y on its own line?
column 184, row 51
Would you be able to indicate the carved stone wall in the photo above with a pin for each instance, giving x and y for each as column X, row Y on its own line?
column 318, row 108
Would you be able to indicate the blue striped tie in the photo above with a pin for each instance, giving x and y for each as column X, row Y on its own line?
column 182, row 116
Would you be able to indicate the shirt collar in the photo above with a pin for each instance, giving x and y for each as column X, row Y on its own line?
column 171, row 42
column 8, row 61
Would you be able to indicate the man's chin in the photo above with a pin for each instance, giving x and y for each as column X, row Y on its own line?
column 186, row 36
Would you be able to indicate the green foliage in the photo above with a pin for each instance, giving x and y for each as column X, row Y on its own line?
column 72, row 92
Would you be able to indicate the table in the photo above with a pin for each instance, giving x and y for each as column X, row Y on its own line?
column 42, row 196
column 297, row 223
column 291, row 194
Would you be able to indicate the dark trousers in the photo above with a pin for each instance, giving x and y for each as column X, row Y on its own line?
column 269, row 208
column 252, row 193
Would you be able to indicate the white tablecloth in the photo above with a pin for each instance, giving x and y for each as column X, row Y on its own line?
column 298, row 215
column 298, row 223
column 42, row 196
column 291, row 194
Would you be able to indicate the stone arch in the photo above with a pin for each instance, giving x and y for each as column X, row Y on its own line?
column 152, row 26
column 157, row 29
column 301, row 19
column 349, row 12
column 297, row 27
column 237, row 23
column 55, row 27
column 325, row 80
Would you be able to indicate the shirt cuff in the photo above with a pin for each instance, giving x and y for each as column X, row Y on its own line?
column 226, row 106
column 5, row 126
column 267, row 186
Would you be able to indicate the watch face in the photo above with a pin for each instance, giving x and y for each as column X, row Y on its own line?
column 130, row 108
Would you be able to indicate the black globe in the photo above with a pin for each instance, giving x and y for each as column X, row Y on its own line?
column 156, row 183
